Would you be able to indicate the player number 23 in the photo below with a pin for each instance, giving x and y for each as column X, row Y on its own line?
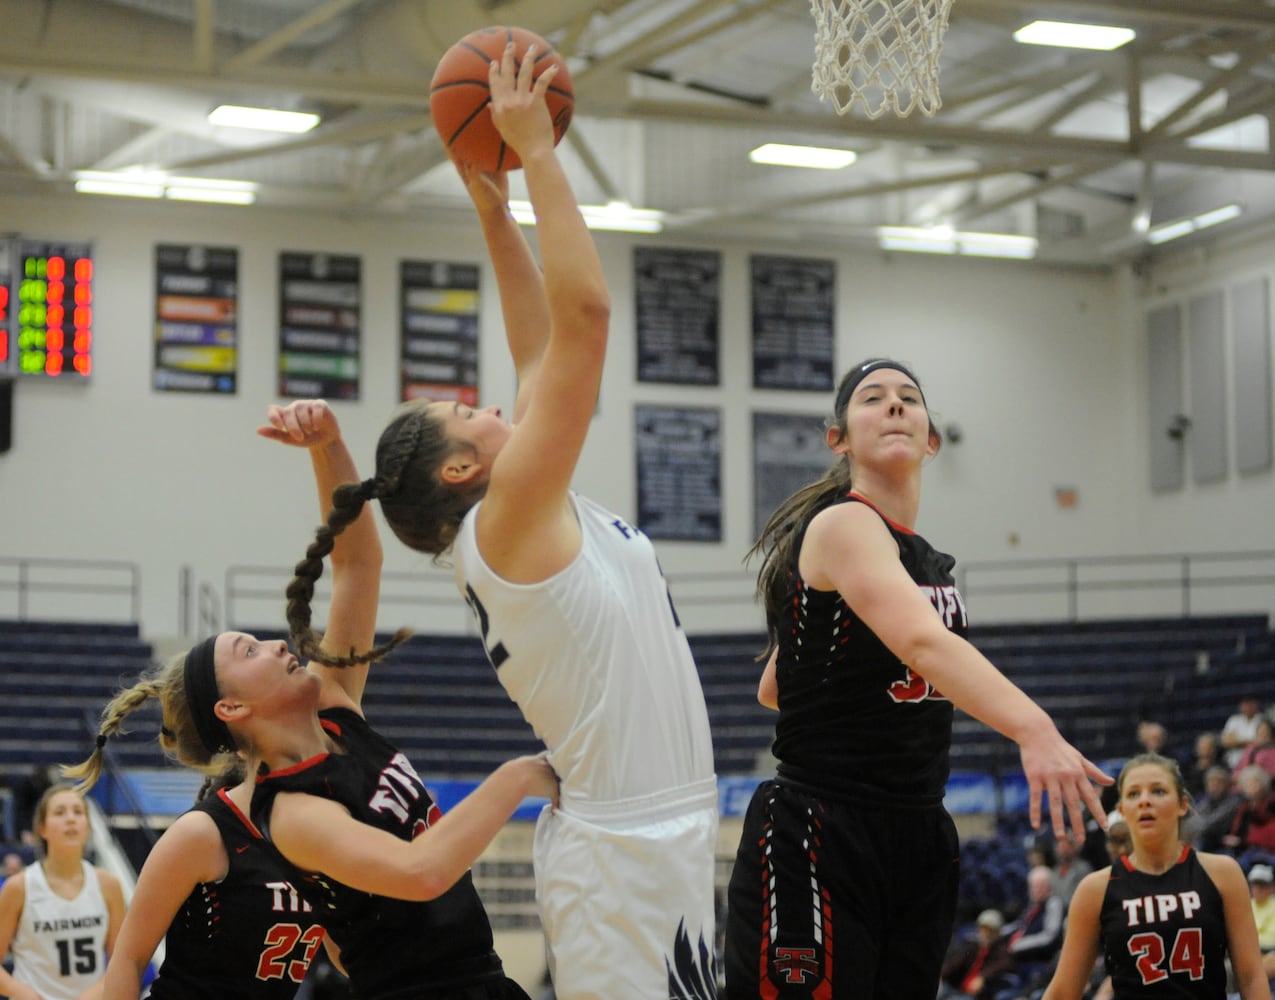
column 280, row 941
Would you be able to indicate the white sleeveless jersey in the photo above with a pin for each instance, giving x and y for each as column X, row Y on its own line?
column 597, row 661
column 60, row 946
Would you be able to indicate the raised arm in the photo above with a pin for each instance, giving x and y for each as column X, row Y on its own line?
column 319, row 834
column 356, row 554
column 523, row 303
column 851, row 551
column 525, row 529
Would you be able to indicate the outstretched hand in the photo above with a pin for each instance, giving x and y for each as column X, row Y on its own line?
column 1066, row 778
column 305, row 423
column 518, row 106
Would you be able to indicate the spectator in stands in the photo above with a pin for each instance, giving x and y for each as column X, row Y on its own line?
column 1208, row 824
column 1261, row 883
column 372, row 830
column 10, row 865
column 570, row 602
column 1119, row 841
column 1253, row 829
column 60, row 915
column 1208, row 754
column 868, row 659
column 1241, row 728
column 974, row 965
column 26, row 794
column 1261, row 751
column 1136, row 912
column 1153, row 737
column 1069, row 868
column 1036, row 937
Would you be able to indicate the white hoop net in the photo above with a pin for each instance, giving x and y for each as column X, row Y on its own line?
column 881, row 54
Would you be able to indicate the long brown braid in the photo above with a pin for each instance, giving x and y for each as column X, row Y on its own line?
column 178, row 736
column 347, row 504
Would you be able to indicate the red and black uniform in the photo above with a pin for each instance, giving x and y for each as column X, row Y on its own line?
column 392, row 949
column 249, row 935
column 1164, row 935
column 846, row 876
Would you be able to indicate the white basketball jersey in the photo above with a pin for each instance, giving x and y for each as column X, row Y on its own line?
column 597, row 661
column 59, row 949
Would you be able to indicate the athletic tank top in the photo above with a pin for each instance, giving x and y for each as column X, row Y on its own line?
column 390, row 947
column 853, row 719
column 251, row 935
column 59, row 949
column 597, row 661
column 1164, row 935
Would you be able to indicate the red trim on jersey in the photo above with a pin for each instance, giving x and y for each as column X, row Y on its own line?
column 240, row 815
column 1129, row 866
column 295, row 768
column 868, row 503
column 332, row 727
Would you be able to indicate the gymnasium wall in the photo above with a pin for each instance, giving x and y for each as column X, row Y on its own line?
column 1042, row 368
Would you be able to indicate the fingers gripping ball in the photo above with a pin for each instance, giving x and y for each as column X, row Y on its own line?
column 459, row 99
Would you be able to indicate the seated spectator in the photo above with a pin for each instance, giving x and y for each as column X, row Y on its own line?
column 1261, row 883
column 1154, row 738
column 1069, row 869
column 1261, row 751
column 974, row 966
column 10, row 865
column 1208, row 753
column 1036, row 937
column 1210, row 821
column 1253, row 829
column 1240, row 728
column 1119, row 841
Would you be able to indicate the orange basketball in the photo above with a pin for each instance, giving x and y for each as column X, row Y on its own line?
column 459, row 100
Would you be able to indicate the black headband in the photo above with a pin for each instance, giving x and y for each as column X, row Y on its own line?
column 200, row 677
column 857, row 375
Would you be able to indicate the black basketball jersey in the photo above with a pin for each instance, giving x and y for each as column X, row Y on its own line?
column 1164, row 935
column 251, row 935
column 389, row 947
column 853, row 718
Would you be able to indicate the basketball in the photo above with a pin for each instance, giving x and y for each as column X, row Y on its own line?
column 459, row 98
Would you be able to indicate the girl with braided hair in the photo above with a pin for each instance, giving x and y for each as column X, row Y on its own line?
column 240, row 919
column 573, row 610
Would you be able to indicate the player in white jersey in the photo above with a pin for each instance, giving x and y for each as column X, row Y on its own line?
column 60, row 915
column 570, row 600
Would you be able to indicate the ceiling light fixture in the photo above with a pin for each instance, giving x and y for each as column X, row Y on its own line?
column 946, row 240
column 816, row 157
column 1064, row 34
column 1184, row 227
column 264, row 119
column 619, row 216
column 157, row 184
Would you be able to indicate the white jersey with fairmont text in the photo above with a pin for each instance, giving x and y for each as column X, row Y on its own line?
column 59, row 949
column 597, row 661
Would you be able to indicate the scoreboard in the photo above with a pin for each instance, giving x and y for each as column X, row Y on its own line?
column 46, row 309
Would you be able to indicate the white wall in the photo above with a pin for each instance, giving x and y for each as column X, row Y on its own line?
column 1041, row 367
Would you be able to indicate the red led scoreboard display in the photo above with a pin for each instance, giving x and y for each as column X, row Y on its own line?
column 50, row 305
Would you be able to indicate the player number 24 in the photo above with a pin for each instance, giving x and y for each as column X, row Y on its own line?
column 1187, row 955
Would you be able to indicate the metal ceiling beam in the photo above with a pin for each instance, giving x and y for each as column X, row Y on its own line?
column 922, row 132
column 1220, row 82
column 1198, row 13
column 257, row 53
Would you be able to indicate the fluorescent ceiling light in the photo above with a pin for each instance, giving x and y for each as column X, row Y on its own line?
column 157, row 184
column 817, row 157
column 944, row 239
column 1074, row 36
column 127, row 189
column 1184, row 227
column 220, row 196
column 616, row 215
column 266, row 119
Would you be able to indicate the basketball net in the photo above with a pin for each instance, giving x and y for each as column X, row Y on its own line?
column 882, row 54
